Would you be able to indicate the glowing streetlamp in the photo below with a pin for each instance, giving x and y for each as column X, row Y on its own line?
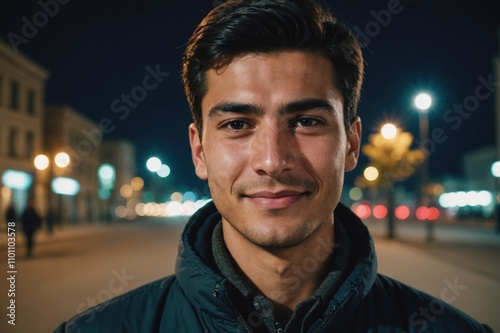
column 43, row 162
column 153, row 164
column 371, row 173
column 423, row 102
column 62, row 160
column 389, row 131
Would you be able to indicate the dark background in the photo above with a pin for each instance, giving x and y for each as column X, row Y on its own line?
column 97, row 50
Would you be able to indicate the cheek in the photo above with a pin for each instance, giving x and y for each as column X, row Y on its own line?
column 325, row 159
column 225, row 163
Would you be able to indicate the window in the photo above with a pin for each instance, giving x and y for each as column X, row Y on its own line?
column 12, row 144
column 14, row 95
column 31, row 102
column 30, row 141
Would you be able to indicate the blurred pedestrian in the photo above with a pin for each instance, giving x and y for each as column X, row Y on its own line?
column 31, row 222
column 50, row 222
column 10, row 214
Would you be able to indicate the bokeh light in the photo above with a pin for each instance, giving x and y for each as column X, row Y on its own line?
column 41, row 162
column 371, row 173
column 126, row 191
column 176, row 196
column 137, row 183
column 402, row 212
column 62, row 160
column 153, row 164
column 379, row 212
column 422, row 213
column 423, row 101
column 363, row 211
column 389, row 131
column 164, row 171
column 495, row 169
column 355, row 193
column 106, row 171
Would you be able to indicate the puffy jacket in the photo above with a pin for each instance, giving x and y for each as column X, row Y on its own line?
column 198, row 299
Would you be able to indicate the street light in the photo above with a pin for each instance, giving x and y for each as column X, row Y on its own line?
column 153, row 164
column 423, row 102
column 495, row 171
column 371, row 173
column 42, row 162
column 389, row 131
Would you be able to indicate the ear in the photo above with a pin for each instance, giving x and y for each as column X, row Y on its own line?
column 353, row 145
column 200, row 166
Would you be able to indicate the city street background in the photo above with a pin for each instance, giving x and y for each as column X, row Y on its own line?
column 80, row 265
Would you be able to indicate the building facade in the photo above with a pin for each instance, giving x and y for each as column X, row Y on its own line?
column 22, row 91
column 65, row 130
column 496, row 69
column 121, row 155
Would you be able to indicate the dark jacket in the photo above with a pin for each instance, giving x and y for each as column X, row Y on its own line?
column 198, row 299
column 30, row 220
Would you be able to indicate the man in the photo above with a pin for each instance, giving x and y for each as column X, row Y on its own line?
column 31, row 222
column 274, row 87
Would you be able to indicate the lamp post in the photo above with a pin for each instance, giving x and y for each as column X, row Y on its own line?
column 389, row 132
column 43, row 162
column 423, row 102
column 495, row 171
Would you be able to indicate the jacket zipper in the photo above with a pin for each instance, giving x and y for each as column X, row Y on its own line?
column 327, row 318
column 236, row 310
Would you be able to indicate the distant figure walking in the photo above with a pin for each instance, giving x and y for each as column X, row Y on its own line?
column 10, row 214
column 31, row 221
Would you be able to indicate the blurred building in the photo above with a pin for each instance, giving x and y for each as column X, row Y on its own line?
column 477, row 169
column 66, row 130
column 121, row 155
column 22, row 91
column 496, row 69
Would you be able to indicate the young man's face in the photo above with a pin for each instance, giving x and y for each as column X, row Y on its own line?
column 274, row 147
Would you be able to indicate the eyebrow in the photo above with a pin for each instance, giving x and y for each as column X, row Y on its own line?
column 306, row 104
column 234, row 107
column 289, row 108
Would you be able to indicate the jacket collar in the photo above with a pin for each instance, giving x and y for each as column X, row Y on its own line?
column 207, row 290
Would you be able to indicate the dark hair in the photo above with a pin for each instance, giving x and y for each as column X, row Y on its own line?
column 240, row 27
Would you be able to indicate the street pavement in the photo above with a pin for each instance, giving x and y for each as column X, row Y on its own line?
column 75, row 267
column 461, row 266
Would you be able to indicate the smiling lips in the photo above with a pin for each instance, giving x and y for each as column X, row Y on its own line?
column 275, row 200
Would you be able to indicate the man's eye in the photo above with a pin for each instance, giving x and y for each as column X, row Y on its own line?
column 306, row 122
column 235, row 124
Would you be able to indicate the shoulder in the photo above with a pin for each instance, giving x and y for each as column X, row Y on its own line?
column 417, row 311
column 136, row 311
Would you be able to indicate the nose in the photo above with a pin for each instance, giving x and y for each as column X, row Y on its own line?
column 273, row 151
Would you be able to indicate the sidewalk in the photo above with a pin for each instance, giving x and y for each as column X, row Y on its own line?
column 449, row 269
column 65, row 232
column 443, row 232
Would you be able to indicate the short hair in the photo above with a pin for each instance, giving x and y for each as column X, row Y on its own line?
column 240, row 27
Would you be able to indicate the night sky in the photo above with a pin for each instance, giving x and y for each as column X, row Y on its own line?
column 96, row 51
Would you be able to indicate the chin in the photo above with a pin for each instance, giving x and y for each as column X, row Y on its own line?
column 278, row 239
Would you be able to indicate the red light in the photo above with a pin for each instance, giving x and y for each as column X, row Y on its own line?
column 379, row 211
column 363, row 211
column 433, row 214
column 402, row 212
column 422, row 213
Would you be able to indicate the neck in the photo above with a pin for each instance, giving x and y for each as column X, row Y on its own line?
column 285, row 276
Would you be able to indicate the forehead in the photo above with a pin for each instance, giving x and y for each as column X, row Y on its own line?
column 271, row 79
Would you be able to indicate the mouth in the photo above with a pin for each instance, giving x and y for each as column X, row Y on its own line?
column 275, row 200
